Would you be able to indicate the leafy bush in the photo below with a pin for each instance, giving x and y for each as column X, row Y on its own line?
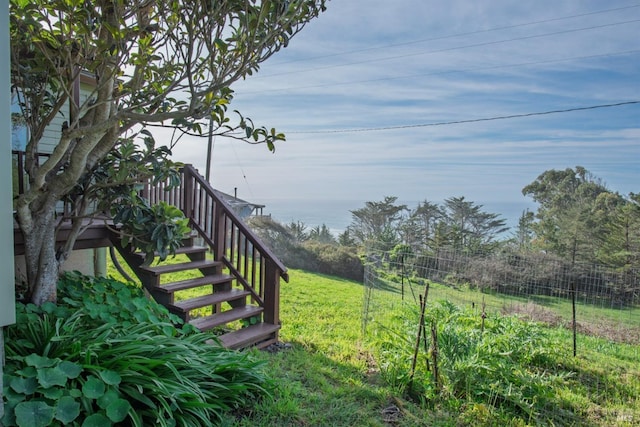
column 335, row 260
column 107, row 355
column 506, row 366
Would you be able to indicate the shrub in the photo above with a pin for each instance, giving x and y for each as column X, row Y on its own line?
column 335, row 260
column 310, row 255
column 107, row 355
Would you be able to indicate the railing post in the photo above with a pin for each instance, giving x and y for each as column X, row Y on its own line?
column 187, row 184
column 271, row 293
column 220, row 231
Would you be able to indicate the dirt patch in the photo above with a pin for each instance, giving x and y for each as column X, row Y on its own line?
column 605, row 329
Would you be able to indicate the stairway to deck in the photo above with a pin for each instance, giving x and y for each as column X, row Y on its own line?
column 233, row 312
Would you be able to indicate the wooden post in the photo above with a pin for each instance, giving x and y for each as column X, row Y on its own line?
column 271, row 293
column 219, row 231
column 187, row 184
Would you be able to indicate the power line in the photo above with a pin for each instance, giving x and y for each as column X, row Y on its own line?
column 469, row 33
column 457, row 122
column 437, row 73
column 449, row 49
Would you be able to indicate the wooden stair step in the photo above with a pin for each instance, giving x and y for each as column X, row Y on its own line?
column 183, row 250
column 213, row 279
column 217, row 319
column 248, row 336
column 173, row 268
column 203, row 301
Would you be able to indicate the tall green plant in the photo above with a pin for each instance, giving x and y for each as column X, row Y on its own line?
column 111, row 356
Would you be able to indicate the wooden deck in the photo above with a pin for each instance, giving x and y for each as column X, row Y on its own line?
column 95, row 235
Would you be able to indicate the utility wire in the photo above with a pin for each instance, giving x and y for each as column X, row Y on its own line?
column 456, row 122
column 470, row 33
column 437, row 73
column 449, row 49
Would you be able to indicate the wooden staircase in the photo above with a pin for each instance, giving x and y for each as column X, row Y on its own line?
column 229, row 302
column 236, row 275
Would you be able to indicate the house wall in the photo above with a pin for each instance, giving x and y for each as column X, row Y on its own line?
column 7, row 297
column 52, row 133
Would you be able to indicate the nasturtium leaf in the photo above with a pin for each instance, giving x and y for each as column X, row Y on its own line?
column 75, row 393
column 24, row 385
column 97, row 420
column 67, row 410
column 53, row 393
column 38, row 361
column 93, row 388
column 49, row 377
column 70, row 369
column 110, row 377
column 117, row 411
column 28, row 372
column 108, row 398
column 33, row 414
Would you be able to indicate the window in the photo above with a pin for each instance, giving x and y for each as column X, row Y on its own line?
column 19, row 132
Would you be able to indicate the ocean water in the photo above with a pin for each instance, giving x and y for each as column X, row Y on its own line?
column 336, row 214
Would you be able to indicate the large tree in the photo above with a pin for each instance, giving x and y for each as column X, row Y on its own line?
column 375, row 225
column 566, row 223
column 164, row 62
column 469, row 228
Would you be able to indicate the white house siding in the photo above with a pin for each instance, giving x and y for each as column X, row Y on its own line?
column 52, row 133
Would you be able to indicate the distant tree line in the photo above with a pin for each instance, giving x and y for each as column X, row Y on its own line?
column 578, row 219
column 582, row 236
column 579, row 225
column 457, row 224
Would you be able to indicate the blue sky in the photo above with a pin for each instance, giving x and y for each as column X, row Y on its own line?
column 389, row 70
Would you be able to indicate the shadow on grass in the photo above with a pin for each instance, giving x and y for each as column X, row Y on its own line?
column 313, row 389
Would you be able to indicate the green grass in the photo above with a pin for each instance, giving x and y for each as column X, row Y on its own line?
column 330, row 377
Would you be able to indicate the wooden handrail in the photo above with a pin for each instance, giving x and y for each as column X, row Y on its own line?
column 246, row 257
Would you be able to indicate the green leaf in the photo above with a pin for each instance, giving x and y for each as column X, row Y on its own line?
column 110, row 377
column 118, row 410
column 108, row 398
column 67, row 410
column 49, row 377
column 97, row 420
column 38, row 361
column 70, row 369
column 33, row 414
column 24, row 385
column 93, row 388
column 53, row 393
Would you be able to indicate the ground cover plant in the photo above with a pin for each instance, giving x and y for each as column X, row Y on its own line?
column 107, row 355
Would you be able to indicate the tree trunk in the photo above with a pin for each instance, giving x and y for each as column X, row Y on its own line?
column 42, row 261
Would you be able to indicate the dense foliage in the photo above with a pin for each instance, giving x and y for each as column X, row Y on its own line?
column 580, row 219
column 106, row 355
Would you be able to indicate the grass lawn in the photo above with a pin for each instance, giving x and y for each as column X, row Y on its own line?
column 328, row 377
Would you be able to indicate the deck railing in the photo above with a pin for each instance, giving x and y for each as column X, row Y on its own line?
column 252, row 263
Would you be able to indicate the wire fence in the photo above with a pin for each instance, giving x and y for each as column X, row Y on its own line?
column 591, row 299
